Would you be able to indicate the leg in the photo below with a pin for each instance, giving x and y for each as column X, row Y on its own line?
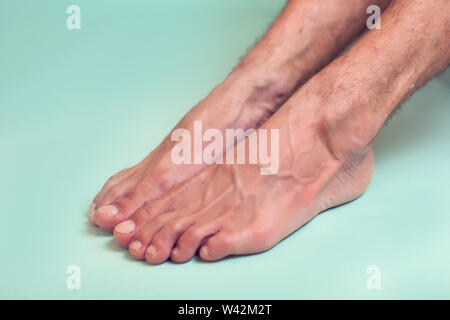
column 302, row 40
column 327, row 129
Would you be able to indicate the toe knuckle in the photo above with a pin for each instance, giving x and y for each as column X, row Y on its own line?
column 176, row 226
column 114, row 191
column 165, row 183
column 194, row 234
column 158, row 242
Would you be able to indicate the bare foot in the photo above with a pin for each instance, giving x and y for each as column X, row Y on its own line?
column 326, row 134
column 300, row 42
column 234, row 210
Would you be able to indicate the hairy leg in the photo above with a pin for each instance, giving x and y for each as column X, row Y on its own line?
column 327, row 129
column 304, row 38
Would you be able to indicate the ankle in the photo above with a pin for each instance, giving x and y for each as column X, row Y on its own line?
column 347, row 129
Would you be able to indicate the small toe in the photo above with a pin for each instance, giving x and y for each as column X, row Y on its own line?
column 190, row 240
column 163, row 242
column 145, row 234
column 218, row 247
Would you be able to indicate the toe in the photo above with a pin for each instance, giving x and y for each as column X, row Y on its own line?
column 249, row 239
column 110, row 215
column 113, row 181
column 218, row 247
column 126, row 186
column 125, row 206
column 165, row 239
column 104, row 216
column 145, row 234
column 92, row 214
column 190, row 240
column 124, row 232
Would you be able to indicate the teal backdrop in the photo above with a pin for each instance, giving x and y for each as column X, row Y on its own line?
column 76, row 106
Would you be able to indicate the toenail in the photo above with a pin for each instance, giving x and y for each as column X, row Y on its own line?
column 91, row 212
column 136, row 245
column 126, row 227
column 109, row 210
column 204, row 251
column 151, row 251
column 92, row 209
column 175, row 251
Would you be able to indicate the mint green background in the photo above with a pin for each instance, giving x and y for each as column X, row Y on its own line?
column 77, row 106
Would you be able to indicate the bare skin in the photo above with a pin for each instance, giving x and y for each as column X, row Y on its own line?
column 327, row 129
column 303, row 39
